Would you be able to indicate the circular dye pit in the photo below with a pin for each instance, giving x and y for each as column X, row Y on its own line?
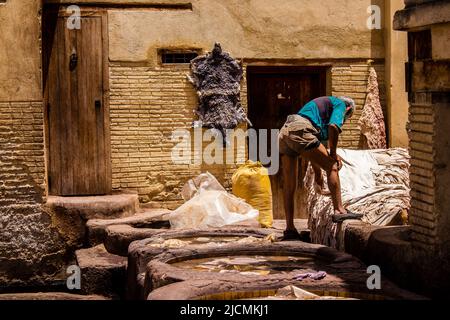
column 141, row 252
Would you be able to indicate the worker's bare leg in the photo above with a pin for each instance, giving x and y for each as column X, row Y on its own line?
column 319, row 181
column 289, row 167
column 321, row 158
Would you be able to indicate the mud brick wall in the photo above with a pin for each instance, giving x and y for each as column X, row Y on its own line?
column 22, row 168
column 351, row 80
column 423, row 175
column 146, row 106
column 148, row 103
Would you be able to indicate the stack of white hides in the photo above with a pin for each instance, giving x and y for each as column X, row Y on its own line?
column 374, row 183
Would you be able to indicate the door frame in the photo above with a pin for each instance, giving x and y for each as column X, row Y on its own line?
column 50, row 14
column 323, row 71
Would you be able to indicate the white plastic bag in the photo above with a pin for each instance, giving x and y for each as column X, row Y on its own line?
column 205, row 181
column 212, row 209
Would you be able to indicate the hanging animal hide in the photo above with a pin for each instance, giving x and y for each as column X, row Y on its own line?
column 217, row 78
column 372, row 119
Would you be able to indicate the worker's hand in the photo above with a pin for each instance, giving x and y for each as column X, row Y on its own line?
column 338, row 160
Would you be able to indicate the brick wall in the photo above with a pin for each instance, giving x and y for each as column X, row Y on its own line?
column 148, row 103
column 423, row 180
column 351, row 80
column 22, row 166
column 146, row 106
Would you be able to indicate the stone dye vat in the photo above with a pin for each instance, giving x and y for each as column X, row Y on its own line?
column 140, row 253
column 270, row 290
column 274, row 263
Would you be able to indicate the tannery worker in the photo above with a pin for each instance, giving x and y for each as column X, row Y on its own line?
column 304, row 135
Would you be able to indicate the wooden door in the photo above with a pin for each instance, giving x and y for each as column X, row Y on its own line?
column 77, row 107
column 274, row 93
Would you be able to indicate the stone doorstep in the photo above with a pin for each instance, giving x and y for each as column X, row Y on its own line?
column 70, row 214
column 97, row 228
column 48, row 296
column 101, row 272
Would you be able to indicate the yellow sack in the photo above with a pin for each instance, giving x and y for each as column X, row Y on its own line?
column 251, row 182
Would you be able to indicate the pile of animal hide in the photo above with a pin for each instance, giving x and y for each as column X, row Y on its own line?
column 371, row 121
column 374, row 183
column 217, row 78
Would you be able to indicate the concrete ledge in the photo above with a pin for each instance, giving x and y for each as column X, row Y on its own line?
column 387, row 247
column 392, row 249
column 426, row 14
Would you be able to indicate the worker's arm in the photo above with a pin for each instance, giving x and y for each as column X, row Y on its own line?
column 333, row 139
column 335, row 128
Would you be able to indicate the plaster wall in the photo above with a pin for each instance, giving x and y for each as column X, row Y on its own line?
column 290, row 29
column 397, row 97
column 20, row 56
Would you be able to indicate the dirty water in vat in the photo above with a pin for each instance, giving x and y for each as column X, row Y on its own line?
column 208, row 241
column 250, row 265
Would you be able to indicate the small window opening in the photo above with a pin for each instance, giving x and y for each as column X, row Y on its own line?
column 178, row 57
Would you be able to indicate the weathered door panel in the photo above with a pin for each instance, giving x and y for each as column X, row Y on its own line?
column 77, row 123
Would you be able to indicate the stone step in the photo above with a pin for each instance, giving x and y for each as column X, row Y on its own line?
column 97, row 207
column 101, row 272
column 144, row 219
column 119, row 237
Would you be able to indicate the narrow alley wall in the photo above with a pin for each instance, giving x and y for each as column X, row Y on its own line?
column 31, row 247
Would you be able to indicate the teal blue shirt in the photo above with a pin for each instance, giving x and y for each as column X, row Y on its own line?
column 324, row 111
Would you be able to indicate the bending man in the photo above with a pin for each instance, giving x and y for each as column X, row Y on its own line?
column 319, row 120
